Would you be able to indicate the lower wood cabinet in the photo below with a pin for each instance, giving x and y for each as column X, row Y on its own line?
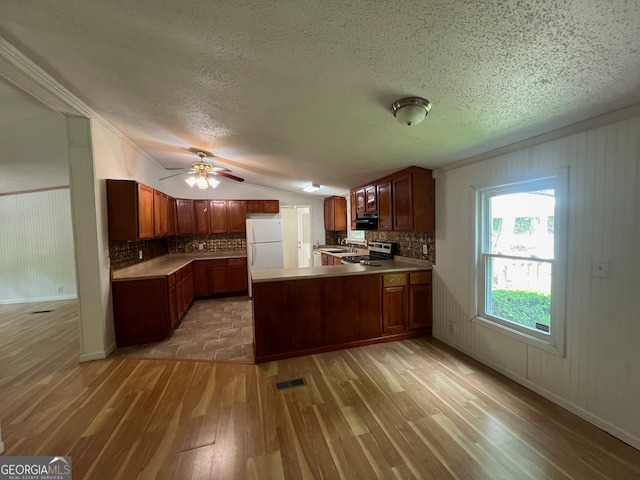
column 220, row 276
column 406, row 302
column 145, row 311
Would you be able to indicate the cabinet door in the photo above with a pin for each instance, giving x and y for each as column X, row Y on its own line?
column 236, row 217
column 325, row 259
column 352, row 207
column 201, row 278
column 171, row 216
column 271, row 206
column 145, row 211
column 361, row 201
column 201, row 213
column 238, row 276
column 185, row 217
column 370, row 194
column 218, row 216
column 385, row 216
column 394, row 303
column 420, row 307
column 254, row 206
column 218, row 276
column 328, row 214
column 402, row 203
column 160, row 213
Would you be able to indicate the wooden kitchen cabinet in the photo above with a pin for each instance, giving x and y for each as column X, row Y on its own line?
column 371, row 199
column 218, row 276
column 160, row 214
column 335, row 213
column 201, row 216
column 413, row 195
column 130, row 210
column 236, row 215
column 361, row 201
column 263, row 206
column 395, row 303
column 218, row 216
column 385, row 211
column 420, row 300
column 353, row 210
column 172, row 227
column 185, row 217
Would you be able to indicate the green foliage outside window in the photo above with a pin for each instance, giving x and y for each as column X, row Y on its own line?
column 525, row 308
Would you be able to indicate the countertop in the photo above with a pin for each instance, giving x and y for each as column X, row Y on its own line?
column 160, row 267
column 398, row 265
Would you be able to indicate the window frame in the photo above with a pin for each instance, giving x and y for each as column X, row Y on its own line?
column 554, row 341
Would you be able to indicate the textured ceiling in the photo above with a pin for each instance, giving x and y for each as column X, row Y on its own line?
column 289, row 92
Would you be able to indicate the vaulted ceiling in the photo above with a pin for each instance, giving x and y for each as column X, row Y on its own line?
column 286, row 93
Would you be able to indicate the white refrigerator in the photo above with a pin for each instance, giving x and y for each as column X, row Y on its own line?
column 264, row 245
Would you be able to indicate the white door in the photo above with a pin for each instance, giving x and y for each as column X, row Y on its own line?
column 304, row 236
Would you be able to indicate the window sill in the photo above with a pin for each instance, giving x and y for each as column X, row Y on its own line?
column 549, row 346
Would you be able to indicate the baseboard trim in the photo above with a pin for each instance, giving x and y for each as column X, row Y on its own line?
column 38, row 299
column 90, row 357
column 614, row 430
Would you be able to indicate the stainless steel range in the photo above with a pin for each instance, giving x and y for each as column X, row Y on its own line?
column 377, row 251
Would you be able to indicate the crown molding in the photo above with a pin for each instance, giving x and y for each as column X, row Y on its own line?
column 595, row 122
column 25, row 75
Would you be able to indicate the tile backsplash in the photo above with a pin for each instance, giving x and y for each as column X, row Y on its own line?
column 125, row 254
column 333, row 238
column 214, row 242
column 409, row 243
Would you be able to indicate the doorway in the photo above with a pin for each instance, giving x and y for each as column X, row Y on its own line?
column 296, row 235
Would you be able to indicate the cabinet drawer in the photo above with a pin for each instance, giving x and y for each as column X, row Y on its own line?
column 417, row 278
column 218, row 263
column 237, row 262
column 395, row 280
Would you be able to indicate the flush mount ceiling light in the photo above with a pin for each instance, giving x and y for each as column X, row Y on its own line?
column 312, row 187
column 411, row 111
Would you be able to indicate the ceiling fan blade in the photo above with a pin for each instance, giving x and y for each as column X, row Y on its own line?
column 221, row 169
column 177, row 168
column 174, row 175
column 228, row 175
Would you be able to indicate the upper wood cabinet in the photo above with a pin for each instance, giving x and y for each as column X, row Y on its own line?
column 130, row 210
column 361, row 201
column 352, row 208
column 172, row 227
column 185, row 214
column 405, row 201
column 335, row 213
column 202, row 216
column 413, row 194
column 160, row 214
column 218, row 217
column 385, row 210
column 371, row 199
column 262, row 206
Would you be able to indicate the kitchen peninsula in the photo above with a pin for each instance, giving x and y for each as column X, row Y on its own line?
column 316, row 309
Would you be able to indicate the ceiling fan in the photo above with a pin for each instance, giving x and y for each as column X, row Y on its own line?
column 203, row 173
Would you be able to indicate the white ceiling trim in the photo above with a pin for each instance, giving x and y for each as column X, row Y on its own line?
column 30, row 78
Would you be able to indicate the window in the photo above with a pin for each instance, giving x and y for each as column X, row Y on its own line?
column 520, row 281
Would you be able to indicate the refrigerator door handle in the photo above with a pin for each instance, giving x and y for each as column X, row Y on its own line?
column 253, row 257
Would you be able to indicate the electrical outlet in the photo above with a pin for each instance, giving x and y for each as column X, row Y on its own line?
column 452, row 327
column 600, row 267
column 60, row 289
column 140, row 254
column 425, row 249
column 201, row 246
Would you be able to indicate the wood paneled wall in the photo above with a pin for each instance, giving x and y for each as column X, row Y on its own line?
column 36, row 247
column 599, row 378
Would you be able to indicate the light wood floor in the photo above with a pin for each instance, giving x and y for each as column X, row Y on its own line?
column 410, row 409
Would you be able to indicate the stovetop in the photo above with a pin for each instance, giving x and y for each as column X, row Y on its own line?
column 377, row 251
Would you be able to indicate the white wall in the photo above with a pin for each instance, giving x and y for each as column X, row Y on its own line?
column 600, row 376
column 37, row 259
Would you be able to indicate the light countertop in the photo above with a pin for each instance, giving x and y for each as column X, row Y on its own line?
column 398, row 265
column 167, row 264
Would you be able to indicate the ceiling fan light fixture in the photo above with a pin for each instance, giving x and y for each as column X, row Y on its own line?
column 213, row 183
column 312, row 187
column 202, row 182
column 191, row 181
column 411, row 111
